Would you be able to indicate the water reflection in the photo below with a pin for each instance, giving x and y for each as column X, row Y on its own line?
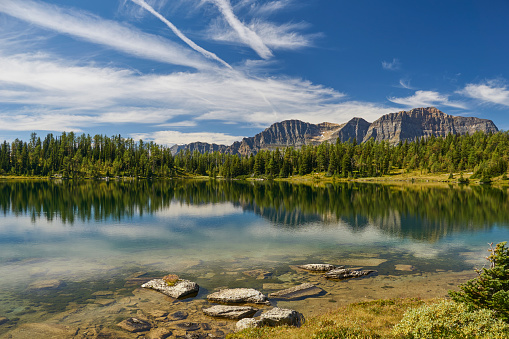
column 416, row 212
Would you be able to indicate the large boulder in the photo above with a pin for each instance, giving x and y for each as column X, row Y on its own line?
column 230, row 312
column 135, row 325
column 182, row 288
column 345, row 273
column 238, row 295
column 281, row 316
column 319, row 267
column 297, row 292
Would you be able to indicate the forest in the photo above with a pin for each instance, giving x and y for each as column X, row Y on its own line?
column 82, row 156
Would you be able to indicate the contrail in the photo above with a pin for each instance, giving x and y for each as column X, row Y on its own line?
column 181, row 35
column 246, row 35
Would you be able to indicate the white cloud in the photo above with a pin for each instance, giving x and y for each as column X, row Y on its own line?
column 391, row 66
column 490, row 92
column 405, row 84
column 245, row 34
column 175, row 137
column 94, row 29
column 427, row 99
column 271, row 7
column 277, row 37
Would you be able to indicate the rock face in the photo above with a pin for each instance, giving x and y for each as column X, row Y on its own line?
column 238, row 295
column 319, row 267
column 297, row 292
column 424, row 122
column 230, row 312
column 135, row 325
column 345, row 273
column 181, row 289
column 392, row 127
column 281, row 316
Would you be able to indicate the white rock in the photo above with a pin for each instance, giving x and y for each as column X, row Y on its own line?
column 239, row 295
column 281, row 316
column 319, row 267
column 247, row 323
column 181, row 289
column 230, row 312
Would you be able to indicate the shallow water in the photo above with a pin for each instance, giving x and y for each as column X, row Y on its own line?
column 94, row 243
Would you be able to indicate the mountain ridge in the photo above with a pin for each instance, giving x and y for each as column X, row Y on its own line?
column 391, row 127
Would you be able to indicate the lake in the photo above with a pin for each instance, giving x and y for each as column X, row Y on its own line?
column 73, row 254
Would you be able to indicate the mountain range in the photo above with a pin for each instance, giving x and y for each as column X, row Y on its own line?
column 392, row 127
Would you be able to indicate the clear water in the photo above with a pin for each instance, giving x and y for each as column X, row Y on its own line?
column 99, row 240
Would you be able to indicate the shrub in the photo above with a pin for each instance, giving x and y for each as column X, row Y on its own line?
column 491, row 288
column 448, row 319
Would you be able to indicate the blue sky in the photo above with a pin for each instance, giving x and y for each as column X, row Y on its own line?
column 177, row 71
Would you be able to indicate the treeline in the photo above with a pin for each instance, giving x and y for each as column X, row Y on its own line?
column 83, row 156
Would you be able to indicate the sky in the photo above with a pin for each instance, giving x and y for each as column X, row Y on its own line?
column 179, row 71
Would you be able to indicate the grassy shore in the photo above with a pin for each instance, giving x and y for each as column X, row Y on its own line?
column 374, row 319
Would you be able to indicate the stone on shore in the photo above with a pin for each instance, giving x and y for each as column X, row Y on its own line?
column 135, row 325
column 281, row 316
column 319, row 267
column 238, row 295
column 345, row 273
column 230, row 312
column 180, row 289
column 297, row 292
column 247, row 323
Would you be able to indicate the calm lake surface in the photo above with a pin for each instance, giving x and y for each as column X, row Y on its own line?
column 73, row 254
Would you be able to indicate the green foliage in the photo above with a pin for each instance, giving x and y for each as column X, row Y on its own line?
column 491, row 288
column 448, row 319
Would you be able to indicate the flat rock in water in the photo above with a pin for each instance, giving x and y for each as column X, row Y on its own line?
column 319, row 267
column 45, row 285
column 297, row 292
column 188, row 326
column 182, row 287
column 159, row 333
column 242, row 324
column 345, row 273
column 230, row 312
column 258, row 274
column 135, row 325
column 239, row 295
column 3, row 320
column 281, row 316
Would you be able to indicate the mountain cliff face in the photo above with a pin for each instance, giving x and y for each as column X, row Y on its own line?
column 424, row 122
column 392, row 127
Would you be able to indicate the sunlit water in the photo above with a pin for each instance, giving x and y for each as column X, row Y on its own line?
column 107, row 236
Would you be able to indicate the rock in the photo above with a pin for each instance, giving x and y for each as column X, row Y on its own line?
column 3, row 320
column 404, row 267
column 159, row 333
column 258, row 274
column 319, row 267
column 345, row 273
column 179, row 315
column 41, row 330
column 238, row 295
column 247, row 323
column 134, row 325
column 297, row 292
column 157, row 313
column 188, row 326
column 181, row 289
column 281, row 316
column 45, row 285
column 230, row 312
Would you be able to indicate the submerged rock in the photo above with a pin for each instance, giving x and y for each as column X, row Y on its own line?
column 297, row 292
column 3, row 320
column 247, row 323
column 159, row 333
column 258, row 274
column 180, row 289
column 188, row 326
column 230, row 312
column 281, row 316
column 319, row 267
column 239, row 295
column 345, row 273
column 45, row 285
column 135, row 325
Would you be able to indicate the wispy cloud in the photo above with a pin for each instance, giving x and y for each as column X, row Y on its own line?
column 174, row 137
column 393, row 65
column 270, row 7
column 112, row 34
column 246, row 35
column 426, row 99
column 492, row 91
column 405, row 83
column 181, row 35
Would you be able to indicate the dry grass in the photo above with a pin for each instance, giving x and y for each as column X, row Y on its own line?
column 374, row 319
